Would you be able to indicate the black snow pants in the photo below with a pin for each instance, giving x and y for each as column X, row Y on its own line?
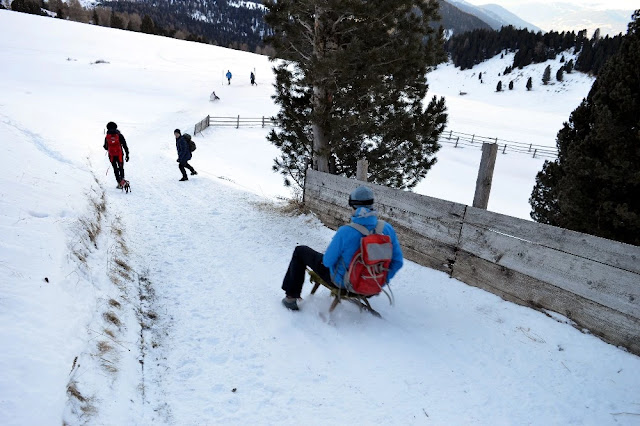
column 118, row 169
column 181, row 166
column 303, row 256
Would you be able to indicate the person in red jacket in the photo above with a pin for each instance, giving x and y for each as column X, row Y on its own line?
column 115, row 143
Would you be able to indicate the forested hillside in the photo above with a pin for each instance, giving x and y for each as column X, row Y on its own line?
column 474, row 47
column 216, row 22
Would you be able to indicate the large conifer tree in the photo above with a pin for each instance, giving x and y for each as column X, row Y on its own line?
column 594, row 184
column 352, row 85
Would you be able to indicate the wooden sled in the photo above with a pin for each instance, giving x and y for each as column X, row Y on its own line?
column 340, row 294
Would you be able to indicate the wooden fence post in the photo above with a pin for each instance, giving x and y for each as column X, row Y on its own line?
column 485, row 175
column 263, row 121
column 238, row 124
column 362, row 170
column 208, row 121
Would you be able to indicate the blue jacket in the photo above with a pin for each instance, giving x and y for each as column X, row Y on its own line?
column 347, row 241
column 228, row 75
column 184, row 153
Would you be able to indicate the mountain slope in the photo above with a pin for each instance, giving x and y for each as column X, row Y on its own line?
column 456, row 21
column 504, row 17
column 494, row 15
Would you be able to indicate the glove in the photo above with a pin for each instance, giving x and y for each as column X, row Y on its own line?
column 127, row 158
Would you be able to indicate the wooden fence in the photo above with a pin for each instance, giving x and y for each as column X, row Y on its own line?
column 235, row 121
column 459, row 140
column 593, row 281
column 203, row 124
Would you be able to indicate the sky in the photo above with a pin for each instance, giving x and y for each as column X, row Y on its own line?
column 599, row 5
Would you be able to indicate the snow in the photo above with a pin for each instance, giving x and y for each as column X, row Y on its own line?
column 197, row 315
column 531, row 117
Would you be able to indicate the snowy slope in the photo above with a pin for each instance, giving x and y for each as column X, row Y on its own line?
column 513, row 115
column 198, row 307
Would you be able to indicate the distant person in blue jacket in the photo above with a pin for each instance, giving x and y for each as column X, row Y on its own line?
column 184, row 155
column 332, row 266
column 228, row 75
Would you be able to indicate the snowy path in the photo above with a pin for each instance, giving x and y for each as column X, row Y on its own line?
column 447, row 353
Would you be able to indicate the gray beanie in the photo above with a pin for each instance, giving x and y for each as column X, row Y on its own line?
column 361, row 196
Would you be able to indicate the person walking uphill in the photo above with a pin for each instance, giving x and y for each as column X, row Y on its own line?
column 332, row 266
column 252, row 77
column 114, row 144
column 228, row 75
column 184, row 155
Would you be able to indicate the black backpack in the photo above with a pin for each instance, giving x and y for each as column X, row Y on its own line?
column 190, row 142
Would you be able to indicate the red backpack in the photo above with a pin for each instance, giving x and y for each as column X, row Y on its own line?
column 368, row 269
column 113, row 146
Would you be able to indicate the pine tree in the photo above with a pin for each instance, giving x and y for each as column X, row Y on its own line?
column 116, row 21
column 96, row 20
column 594, row 184
column 546, row 76
column 559, row 73
column 511, row 85
column 569, row 66
column 147, row 25
column 529, row 84
column 499, row 87
column 27, row 6
column 351, row 85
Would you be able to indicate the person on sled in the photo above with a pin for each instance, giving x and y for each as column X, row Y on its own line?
column 332, row 266
column 114, row 144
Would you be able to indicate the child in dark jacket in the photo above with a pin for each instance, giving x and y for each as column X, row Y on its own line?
column 184, row 155
column 114, row 144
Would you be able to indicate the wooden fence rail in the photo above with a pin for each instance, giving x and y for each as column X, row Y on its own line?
column 593, row 281
column 235, row 121
column 457, row 139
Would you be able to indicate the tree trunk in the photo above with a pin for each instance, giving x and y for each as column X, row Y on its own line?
column 320, row 99
column 321, row 149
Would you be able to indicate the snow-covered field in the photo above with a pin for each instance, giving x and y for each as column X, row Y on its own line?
column 162, row 306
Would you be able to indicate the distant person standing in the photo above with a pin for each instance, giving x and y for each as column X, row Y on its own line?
column 114, row 144
column 184, row 155
column 228, row 75
column 253, row 78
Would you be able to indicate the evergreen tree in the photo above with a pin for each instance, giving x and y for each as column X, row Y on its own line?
column 559, row 73
column 27, row 6
column 147, row 25
column 569, row 66
column 60, row 13
column 594, row 184
column 499, row 87
column 95, row 19
column 116, row 21
column 351, row 85
column 529, row 84
column 562, row 59
column 511, row 85
column 546, row 76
